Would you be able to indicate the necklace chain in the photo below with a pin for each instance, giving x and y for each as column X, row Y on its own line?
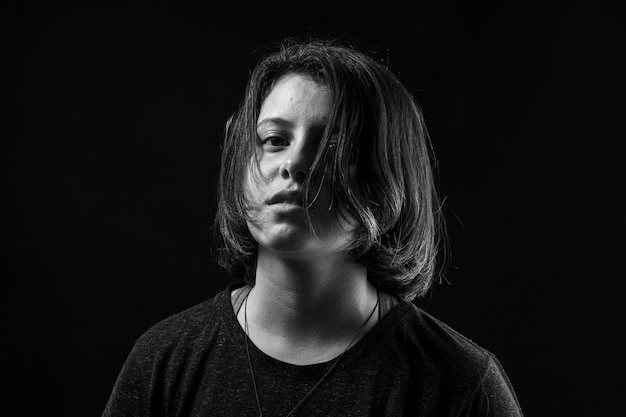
column 322, row 379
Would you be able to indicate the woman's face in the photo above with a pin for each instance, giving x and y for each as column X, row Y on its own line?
column 290, row 126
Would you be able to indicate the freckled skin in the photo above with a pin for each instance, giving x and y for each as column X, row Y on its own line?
column 294, row 114
column 309, row 299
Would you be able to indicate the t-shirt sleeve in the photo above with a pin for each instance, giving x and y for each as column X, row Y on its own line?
column 494, row 397
column 131, row 392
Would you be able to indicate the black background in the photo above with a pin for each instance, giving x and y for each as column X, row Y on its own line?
column 110, row 159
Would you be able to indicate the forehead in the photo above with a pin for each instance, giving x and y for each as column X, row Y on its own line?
column 297, row 99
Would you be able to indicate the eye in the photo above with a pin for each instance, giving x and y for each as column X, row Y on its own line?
column 274, row 143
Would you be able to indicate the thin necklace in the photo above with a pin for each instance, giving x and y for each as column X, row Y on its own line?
column 312, row 390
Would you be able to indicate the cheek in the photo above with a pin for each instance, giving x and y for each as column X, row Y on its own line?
column 347, row 225
column 258, row 174
column 252, row 181
column 251, row 193
column 255, row 190
column 330, row 219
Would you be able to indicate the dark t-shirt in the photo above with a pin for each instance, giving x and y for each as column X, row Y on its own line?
column 410, row 364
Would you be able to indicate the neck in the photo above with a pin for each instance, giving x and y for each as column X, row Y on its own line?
column 307, row 310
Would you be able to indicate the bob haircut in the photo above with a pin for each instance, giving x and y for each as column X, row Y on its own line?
column 380, row 168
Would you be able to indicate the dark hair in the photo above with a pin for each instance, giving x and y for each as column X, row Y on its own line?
column 380, row 130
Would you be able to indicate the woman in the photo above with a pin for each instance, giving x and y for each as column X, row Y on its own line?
column 328, row 213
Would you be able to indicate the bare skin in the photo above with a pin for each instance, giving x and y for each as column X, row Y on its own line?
column 303, row 312
column 309, row 300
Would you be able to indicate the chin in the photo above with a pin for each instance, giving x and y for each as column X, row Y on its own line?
column 301, row 247
column 292, row 243
column 294, row 238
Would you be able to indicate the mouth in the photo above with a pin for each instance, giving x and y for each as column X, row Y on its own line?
column 290, row 202
column 293, row 198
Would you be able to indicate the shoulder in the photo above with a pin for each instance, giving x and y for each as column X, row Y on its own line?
column 440, row 342
column 445, row 364
column 181, row 334
column 168, row 356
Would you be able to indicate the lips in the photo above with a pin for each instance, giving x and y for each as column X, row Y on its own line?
column 286, row 197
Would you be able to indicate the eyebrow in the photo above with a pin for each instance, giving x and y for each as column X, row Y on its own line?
column 286, row 123
column 275, row 120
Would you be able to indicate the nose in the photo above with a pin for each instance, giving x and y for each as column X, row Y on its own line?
column 298, row 161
